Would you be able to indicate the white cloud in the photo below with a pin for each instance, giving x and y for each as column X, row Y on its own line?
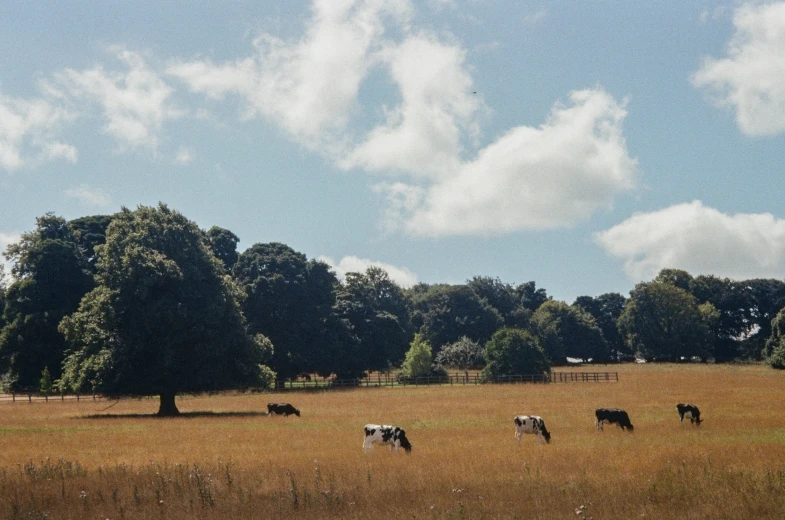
column 308, row 87
column 536, row 17
column 57, row 149
column 184, row 156
column 27, row 132
column 135, row 103
column 542, row 177
column 700, row 240
column 352, row 264
column 422, row 136
column 89, row 196
column 530, row 178
column 752, row 78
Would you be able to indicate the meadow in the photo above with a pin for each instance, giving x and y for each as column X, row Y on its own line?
column 225, row 459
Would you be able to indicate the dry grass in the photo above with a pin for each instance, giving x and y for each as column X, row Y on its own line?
column 57, row 462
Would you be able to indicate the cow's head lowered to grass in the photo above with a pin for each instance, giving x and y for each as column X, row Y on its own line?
column 531, row 424
column 394, row 436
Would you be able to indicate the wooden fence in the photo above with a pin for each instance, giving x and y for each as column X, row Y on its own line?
column 381, row 380
column 376, row 380
column 29, row 397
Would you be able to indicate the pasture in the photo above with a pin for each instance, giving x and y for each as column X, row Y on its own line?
column 224, row 459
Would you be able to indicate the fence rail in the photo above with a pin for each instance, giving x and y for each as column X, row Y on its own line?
column 452, row 380
column 379, row 380
column 30, row 397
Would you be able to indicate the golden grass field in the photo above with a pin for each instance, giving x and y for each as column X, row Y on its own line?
column 59, row 461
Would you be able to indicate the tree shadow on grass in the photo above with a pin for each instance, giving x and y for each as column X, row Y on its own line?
column 181, row 415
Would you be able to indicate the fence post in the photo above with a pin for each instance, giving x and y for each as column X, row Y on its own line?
column 29, row 398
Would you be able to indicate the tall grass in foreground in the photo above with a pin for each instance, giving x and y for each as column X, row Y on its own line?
column 57, row 461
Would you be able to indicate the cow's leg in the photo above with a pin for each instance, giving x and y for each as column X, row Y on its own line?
column 540, row 438
column 518, row 435
column 599, row 425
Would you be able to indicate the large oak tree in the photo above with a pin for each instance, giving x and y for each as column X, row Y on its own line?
column 164, row 318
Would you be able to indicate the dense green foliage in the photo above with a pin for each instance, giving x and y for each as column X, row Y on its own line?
column 445, row 313
column 224, row 245
column 775, row 345
column 463, row 354
column 606, row 310
column 51, row 276
column 163, row 318
column 663, row 322
column 144, row 302
column 568, row 331
column 291, row 300
column 376, row 311
column 419, row 359
column 514, row 352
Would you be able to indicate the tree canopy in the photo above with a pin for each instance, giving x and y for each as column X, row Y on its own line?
column 514, row 352
column 51, row 276
column 445, row 313
column 224, row 245
column 463, row 354
column 606, row 310
column 375, row 308
column 291, row 301
column 568, row 331
column 419, row 359
column 664, row 322
column 163, row 318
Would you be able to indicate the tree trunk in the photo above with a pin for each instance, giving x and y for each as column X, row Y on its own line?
column 168, row 407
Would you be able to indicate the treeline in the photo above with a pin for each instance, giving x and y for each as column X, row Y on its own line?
column 145, row 302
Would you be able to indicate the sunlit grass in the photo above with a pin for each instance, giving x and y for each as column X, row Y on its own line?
column 59, row 460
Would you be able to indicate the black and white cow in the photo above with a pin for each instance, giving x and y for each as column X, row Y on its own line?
column 531, row 424
column 689, row 411
column 383, row 434
column 613, row 416
column 284, row 409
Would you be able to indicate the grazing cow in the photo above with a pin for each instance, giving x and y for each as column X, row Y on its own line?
column 284, row 409
column 689, row 411
column 531, row 424
column 383, row 434
column 611, row 416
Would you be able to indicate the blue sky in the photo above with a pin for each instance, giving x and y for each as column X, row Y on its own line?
column 583, row 145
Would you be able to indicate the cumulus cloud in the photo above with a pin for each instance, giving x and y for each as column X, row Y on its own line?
column 135, row 102
column 536, row 17
column 530, row 178
column 542, row 177
column 751, row 79
column 183, row 156
column 27, row 132
column 309, row 87
column 422, row 136
column 352, row 264
column 700, row 240
column 92, row 197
